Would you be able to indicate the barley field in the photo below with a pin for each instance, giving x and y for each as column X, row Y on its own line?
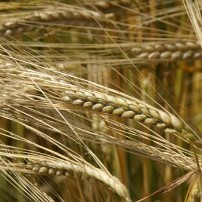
column 101, row 101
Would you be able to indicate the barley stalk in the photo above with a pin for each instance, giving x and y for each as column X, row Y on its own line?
column 48, row 167
column 168, row 51
column 132, row 109
column 68, row 15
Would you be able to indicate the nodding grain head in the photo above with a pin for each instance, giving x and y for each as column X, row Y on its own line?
column 168, row 51
column 67, row 15
column 130, row 109
column 67, row 168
